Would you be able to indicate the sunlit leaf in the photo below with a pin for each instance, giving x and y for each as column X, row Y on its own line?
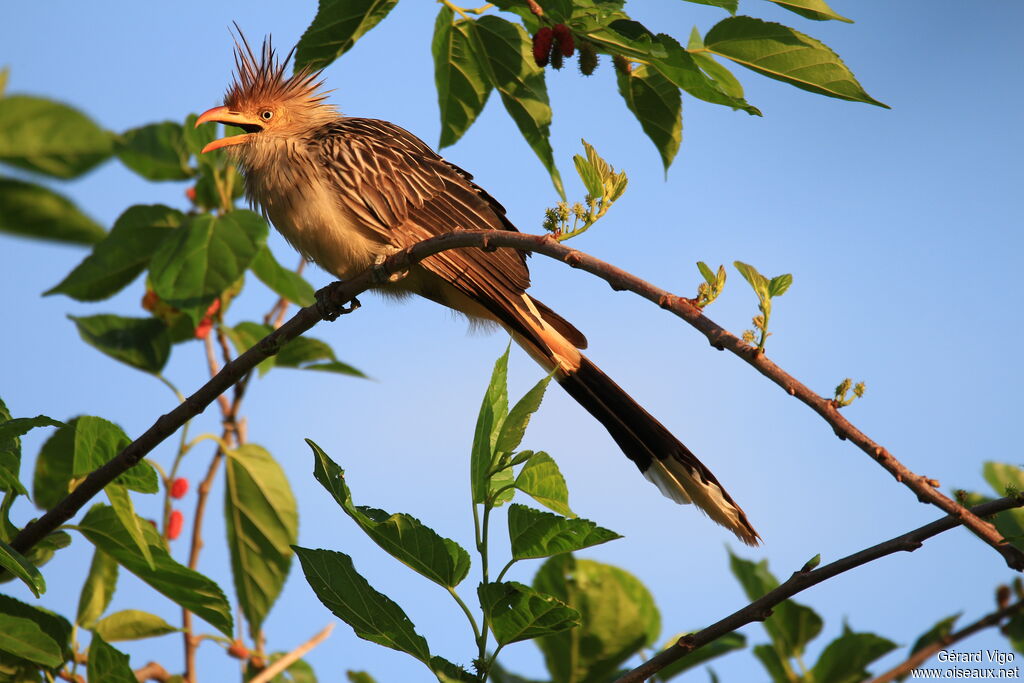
column 337, row 26
column 541, row 479
column 132, row 624
column 15, row 563
column 31, row 210
column 98, row 589
column 142, row 343
column 536, row 534
column 49, row 137
column 817, row 10
column 462, row 84
column 33, row 634
column 517, row 612
column 284, row 282
column 156, row 151
column 657, row 105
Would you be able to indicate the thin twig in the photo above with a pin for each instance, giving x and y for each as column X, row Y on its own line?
column 339, row 293
column 152, row 672
column 296, row 654
column 761, row 608
column 918, row 658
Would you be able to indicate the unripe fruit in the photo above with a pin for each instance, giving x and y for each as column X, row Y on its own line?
column 588, row 58
column 174, row 525
column 565, row 41
column 238, row 650
column 622, row 65
column 542, row 45
column 179, row 487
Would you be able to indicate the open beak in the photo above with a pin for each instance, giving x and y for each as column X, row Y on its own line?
column 250, row 124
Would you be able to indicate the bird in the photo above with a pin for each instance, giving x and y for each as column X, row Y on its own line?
column 346, row 192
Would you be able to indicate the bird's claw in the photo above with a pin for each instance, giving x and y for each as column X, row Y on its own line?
column 327, row 306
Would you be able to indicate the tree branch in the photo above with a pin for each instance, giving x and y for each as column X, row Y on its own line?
column 915, row 660
column 296, row 654
column 761, row 608
column 339, row 293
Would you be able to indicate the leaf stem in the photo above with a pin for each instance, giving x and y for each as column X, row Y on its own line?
column 469, row 614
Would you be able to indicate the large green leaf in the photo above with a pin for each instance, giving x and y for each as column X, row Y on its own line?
column 132, row 624
column 108, row 664
column 142, row 343
column 204, row 258
column 504, row 51
column 846, row 658
column 98, row 589
column 372, row 615
column 156, row 151
column 11, row 431
column 657, row 105
column 32, row 210
column 97, row 441
column 681, row 68
column 785, row 54
column 541, row 479
column 33, row 634
column 123, row 507
column 186, row 587
column 405, row 538
column 262, row 524
column 618, row 619
column 536, row 534
column 493, row 410
column 818, row 10
column 791, row 625
column 121, row 255
column 517, row 612
column 15, row 563
column 284, row 282
column 1005, row 479
column 778, row 670
column 462, row 83
column 716, row 648
column 48, row 137
column 337, row 26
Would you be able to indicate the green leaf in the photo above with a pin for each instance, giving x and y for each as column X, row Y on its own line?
column 757, row 281
column 97, row 441
column 11, row 431
column 121, row 502
column 707, row 273
column 618, row 618
column 503, row 48
column 488, row 427
column 142, row 343
column 262, row 522
column 186, row 587
column 620, row 36
column 656, row 104
column 286, row 283
column 197, row 138
column 728, row 5
column 773, row 664
column 204, row 258
column 785, row 54
column 372, row 615
column 48, row 137
column 32, row 210
column 98, row 589
column 247, row 334
column 156, row 152
column 33, row 634
column 536, row 534
column 54, row 467
column 403, row 537
column 791, row 625
column 338, row 367
column 1003, row 477
column 132, row 624
column 359, row 677
column 846, row 658
column 122, row 254
column 514, row 426
column 462, row 84
column 108, row 664
column 337, row 26
column 778, row 285
column 15, row 563
column 517, row 612
column 730, row 642
column 940, row 630
column 541, row 479
column 448, row 672
column 817, row 10
column 681, row 68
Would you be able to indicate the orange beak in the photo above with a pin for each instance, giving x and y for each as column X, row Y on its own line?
column 234, row 118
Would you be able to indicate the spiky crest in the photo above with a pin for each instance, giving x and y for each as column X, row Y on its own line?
column 262, row 79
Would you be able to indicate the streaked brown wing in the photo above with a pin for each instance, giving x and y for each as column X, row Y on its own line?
column 403, row 191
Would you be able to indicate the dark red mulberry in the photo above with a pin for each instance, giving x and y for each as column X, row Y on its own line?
column 542, row 45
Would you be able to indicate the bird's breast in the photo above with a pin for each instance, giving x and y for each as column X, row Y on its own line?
column 305, row 210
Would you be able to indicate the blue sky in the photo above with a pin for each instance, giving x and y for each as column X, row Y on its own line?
column 902, row 230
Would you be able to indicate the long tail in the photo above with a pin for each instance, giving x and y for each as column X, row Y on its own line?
column 662, row 458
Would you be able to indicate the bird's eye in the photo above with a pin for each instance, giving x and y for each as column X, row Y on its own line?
column 266, row 114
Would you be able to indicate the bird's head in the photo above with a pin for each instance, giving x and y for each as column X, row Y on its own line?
column 264, row 102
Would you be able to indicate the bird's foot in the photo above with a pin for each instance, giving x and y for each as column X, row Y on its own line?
column 327, row 305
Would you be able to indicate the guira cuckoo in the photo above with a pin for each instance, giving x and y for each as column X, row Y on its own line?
column 348, row 191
